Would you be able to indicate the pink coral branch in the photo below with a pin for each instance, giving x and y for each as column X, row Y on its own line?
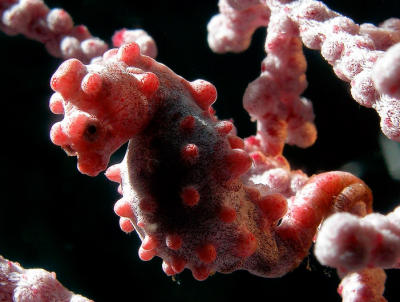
column 353, row 52
column 351, row 49
column 32, row 285
column 364, row 286
column 55, row 29
column 351, row 243
column 273, row 98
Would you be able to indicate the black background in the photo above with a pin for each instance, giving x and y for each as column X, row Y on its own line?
column 55, row 218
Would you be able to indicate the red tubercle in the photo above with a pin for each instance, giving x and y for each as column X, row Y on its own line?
column 149, row 83
column 190, row 196
column 237, row 162
column 207, row 253
column 91, row 83
column 187, row 123
column 126, row 225
column 58, row 136
column 146, row 255
column 190, row 153
column 204, row 93
column 227, row 214
column 113, row 173
column 224, row 127
column 167, row 268
column 246, row 245
column 273, row 206
column 178, row 264
column 92, row 163
column 235, row 142
column 150, row 243
column 201, row 273
column 174, row 241
column 67, row 79
column 123, row 209
column 129, row 53
column 56, row 103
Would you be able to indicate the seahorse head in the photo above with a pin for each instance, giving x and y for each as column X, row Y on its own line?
column 104, row 104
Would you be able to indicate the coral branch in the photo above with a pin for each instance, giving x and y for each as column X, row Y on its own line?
column 55, row 29
column 32, row 285
column 232, row 29
column 273, row 99
column 351, row 49
column 350, row 243
column 365, row 286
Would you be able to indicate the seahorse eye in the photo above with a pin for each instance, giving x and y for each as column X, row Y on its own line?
column 91, row 132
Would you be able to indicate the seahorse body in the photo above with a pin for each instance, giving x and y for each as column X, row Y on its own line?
column 198, row 196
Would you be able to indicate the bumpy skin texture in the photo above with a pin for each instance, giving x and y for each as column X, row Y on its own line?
column 32, row 285
column 94, row 129
column 198, row 196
